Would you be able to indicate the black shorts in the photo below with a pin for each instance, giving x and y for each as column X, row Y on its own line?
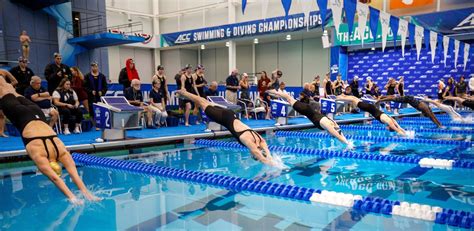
column 306, row 110
column 468, row 103
column 370, row 108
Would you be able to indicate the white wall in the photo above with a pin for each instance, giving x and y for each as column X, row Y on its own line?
column 143, row 62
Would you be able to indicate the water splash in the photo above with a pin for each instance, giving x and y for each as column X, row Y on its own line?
column 277, row 162
column 350, row 145
column 410, row 134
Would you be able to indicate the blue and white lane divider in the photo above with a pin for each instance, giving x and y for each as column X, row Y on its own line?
column 427, row 123
column 423, row 162
column 365, row 204
column 375, row 138
column 417, row 130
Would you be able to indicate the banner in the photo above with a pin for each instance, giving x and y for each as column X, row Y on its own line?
column 293, row 22
column 362, row 13
column 466, row 54
column 336, row 8
column 244, row 5
column 374, row 20
column 447, row 22
column 286, row 6
column 343, row 38
column 385, row 22
column 403, row 31
column 323, row 8
column 350, row 8
column 445, row 48
column 433, row 41
column 394, row 27
column 456, row 53
column 418, row 40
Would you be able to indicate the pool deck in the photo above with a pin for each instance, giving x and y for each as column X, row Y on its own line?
column 85, row 142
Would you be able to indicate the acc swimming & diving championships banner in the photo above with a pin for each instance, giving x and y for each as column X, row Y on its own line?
column 293, row 22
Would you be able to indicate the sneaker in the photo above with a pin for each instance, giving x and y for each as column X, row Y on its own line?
column 66, row 131
column 77, row 131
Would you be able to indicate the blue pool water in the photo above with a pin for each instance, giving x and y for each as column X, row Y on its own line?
column 137, row 202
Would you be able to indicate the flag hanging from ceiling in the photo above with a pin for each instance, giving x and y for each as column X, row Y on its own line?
column 394, row 27
column 411, row 33
column 445, row 48
column 336, row 8
column 466, row 54
column 461, row 50
column 362, row 13
column 374, row 21
column 350, row 8
column 403, row 4
column 418, row 40
column 403, row 31
column 286, row 6
column 456, row 53
column 244, row 5
column 385, row 22
column 433, row 41
column 323, row 7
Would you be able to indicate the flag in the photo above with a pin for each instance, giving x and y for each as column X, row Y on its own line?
column 286, row 6
column 433, row 41
column 244, row 4
column 402, row 31
column 456, row 53
column 445, row 48
column 385, row 22
column 362, row 13
column 323, row 7
column 466, row 54
column 418, row 40
column 350, row 8
column 374, row 21
column 394, row 21
column 336, row 8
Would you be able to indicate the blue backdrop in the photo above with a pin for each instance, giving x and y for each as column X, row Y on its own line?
column 420, row 76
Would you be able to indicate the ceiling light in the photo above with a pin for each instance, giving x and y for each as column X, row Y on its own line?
column 203, row 47
column 227, row 44
column 76, row 18
column 255, row 40
column 288, row 37
column 373, row 48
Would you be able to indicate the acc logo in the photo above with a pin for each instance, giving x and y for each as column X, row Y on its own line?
column 424, row 58
column 401, row 59
column 435, row 66
column 375, row 65
column 356, row 66
column 428, row 90
column 334, row 69
column 417, row 81
column 365, row 74
column 385, row 56
column 365, row 57
column 390, row 69
column 380, row 61
column 351, row 71
column 396, row 64
column 417, row 62
column 410, row 86
column 183, row 38
column 434, row 85
column 467, row 23
column 423, row 76
column 406, row 72
column 385, row 73
column 360, row 62
column 429, row 72
column 412, row 68
column 370, row 70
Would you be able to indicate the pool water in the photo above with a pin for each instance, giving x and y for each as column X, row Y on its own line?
column 138, row 202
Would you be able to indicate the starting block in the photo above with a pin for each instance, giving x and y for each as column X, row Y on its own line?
column 328, row 107
column 114, row 115
column 280, row 111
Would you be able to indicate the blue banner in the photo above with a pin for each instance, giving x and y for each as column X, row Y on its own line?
column 322, row 5
column 102, row 117
column 350, row 8
column 447, row 22
column 374, row 21
column 279, row 108
column 328, row 106
column 293, row 22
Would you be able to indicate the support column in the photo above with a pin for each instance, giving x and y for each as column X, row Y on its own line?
column 253, row 63
column 156, row 32
column 232, row 48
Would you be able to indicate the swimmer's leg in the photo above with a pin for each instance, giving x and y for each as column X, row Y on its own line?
column 333, row 129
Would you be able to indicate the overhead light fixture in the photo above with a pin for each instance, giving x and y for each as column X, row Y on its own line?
column 255, row 40
column 76, row 18
column 325, row 32
column 227, row 44
column 288, row 37
column 373, row 48
column 203, row 46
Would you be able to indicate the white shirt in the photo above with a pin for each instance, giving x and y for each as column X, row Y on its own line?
column 283, row 91
column 56, row 95
column 471, row 83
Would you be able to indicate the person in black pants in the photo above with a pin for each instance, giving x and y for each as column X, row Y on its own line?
column 95, row 84
column 65, row 98
column 22, row 74
column 55, row 72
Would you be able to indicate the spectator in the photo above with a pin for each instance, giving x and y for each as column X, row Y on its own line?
column 157, row 103
column 461, row 87
column 471, row 85
column 22, row 74
column 307, row 93
column 232, row 85
column 327, row 85
column 55, row 72
column 263, row 83
column 347, row 91
column 200, row 80
column 135, row 97
column 441, row 87
column 25, row 44
column 65, row 98
column 128, row 73
column 355, row 86
column 77, row 84
column 39, row 95
column 369, row 86
column 316, row 82
column 449, row 91
column 160, row 76
column 282, row 88
column 95, row 84
column 275, row 80
column 338, row 85
column 177, row 78
column 244, row 87
column 390, row 86
column 189, row 83
column 212, row 90
column 401, row 86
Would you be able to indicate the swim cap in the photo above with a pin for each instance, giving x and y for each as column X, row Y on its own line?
column 56, row 167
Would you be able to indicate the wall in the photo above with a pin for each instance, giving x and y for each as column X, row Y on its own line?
column 143, row 61
column 40, row 27
column 420, row 76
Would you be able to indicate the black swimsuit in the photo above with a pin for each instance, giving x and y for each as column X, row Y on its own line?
column 468, row 103
column 409, row 100
column 370, row 108
column 226, row 118
column 311, row 114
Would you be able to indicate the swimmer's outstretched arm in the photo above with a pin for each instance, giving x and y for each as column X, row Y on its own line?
column 384, row 99
column 454, row 98
column 283, row 95
column 332, row 128
column 203, row 103
column 70, row 166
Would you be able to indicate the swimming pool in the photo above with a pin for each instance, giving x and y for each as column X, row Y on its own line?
column 135, row 201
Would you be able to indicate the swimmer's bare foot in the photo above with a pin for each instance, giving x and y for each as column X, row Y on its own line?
column 3, row 135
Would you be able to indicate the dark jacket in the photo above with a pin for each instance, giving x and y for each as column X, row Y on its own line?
column 51, row 74
column 98, row 84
